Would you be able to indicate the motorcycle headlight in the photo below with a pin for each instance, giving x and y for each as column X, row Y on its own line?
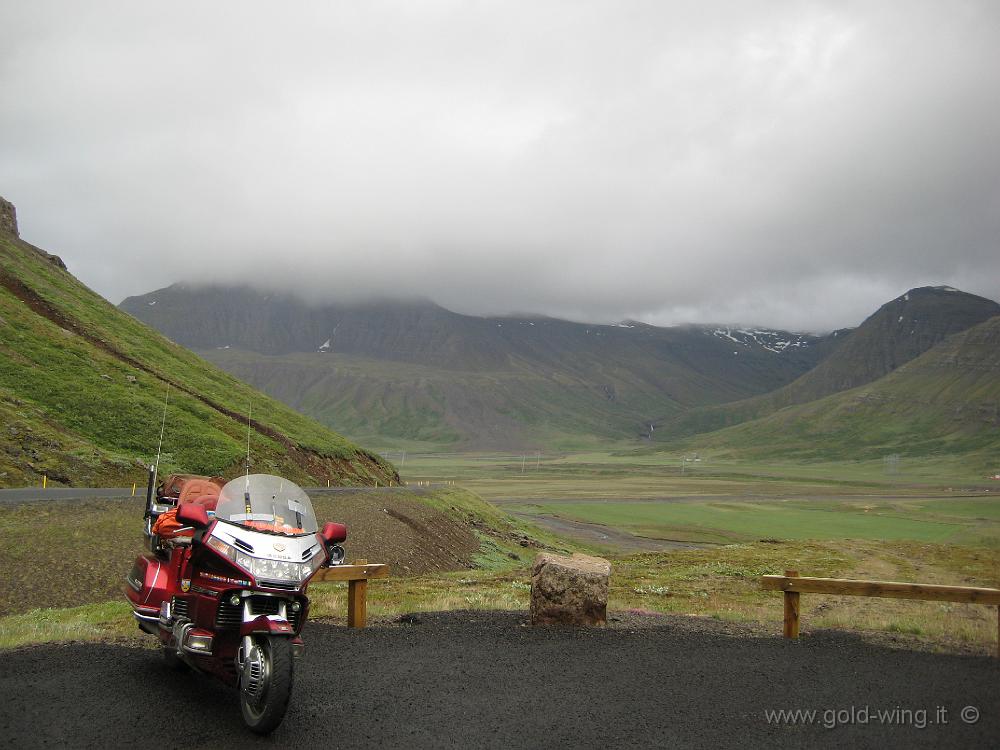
column 227, row 550
column 273, row 570
column 277, row 570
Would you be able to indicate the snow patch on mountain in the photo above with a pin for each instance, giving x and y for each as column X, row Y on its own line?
column 772, row 341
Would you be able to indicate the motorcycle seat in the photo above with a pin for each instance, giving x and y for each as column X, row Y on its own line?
column 200, row 491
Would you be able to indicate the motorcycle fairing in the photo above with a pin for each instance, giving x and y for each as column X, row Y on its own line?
column 148, row 585
column 305, row 549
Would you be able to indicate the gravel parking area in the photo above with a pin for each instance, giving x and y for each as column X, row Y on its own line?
column 486, row 680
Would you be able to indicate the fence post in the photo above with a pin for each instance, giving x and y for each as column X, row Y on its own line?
column 357, row 601
column 791, row 609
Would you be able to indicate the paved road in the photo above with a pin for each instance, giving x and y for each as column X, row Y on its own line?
column 36, row 494
column 484, row 680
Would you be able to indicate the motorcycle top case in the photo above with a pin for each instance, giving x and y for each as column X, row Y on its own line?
column 149, row 583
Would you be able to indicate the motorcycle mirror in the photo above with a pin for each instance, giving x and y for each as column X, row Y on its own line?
column 191, row 514
column 336, row 555
column 333, row 533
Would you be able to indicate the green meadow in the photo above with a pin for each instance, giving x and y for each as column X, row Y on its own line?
column 974, row 522
column 713, row 500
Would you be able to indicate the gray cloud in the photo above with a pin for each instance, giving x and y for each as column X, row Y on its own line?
column 792, row 164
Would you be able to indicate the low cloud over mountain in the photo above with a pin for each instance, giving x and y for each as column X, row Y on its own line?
column 780, row 164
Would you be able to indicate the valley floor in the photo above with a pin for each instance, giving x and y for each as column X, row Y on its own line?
column 683, row 539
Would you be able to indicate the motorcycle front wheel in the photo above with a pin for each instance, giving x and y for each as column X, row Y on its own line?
column 266, row 683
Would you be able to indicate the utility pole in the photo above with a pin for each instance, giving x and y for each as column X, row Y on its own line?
column 522, row 463
column 538, row 459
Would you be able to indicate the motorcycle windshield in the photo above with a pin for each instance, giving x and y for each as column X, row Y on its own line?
column 263, row 502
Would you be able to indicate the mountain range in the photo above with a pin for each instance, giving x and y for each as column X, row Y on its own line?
column 899, row 331
column 919, row 376
column 82, row 384
column 414, row 372
column 942, row 404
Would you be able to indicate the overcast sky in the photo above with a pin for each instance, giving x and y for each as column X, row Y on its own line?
column 793, row 164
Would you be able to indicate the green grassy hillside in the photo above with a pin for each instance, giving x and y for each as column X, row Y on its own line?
column 411, row 405
column 82, row 389
column 945, row 404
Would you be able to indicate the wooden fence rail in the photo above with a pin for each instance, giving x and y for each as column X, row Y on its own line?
column 357, row 576
column 793, row 585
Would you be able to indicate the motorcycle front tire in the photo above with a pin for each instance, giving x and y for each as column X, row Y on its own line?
column 264, row 714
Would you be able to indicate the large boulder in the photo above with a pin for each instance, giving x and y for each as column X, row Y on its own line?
column 569, row 590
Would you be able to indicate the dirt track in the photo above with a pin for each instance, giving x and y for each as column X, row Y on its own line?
column 484, row 680
column 605, row 536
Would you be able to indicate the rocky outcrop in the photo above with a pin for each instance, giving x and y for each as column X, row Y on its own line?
column 8, row 217
column 569, row 590
column 8, row 225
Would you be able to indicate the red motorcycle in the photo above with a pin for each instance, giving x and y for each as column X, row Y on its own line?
column 224, row 586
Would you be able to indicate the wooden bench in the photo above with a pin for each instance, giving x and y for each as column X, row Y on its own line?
column 793, row 585
column 356, row 575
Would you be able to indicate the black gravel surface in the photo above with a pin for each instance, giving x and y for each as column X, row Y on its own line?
column 473, row 680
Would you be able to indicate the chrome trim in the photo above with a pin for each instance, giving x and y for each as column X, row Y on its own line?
column 289, row 586
column 166, row 613
column 250, row 616
column 146, row 618
column 341, row 555
column 180, row 632
column 245, row 546
column 186, row 633
column 255, row 677
column 179, row 607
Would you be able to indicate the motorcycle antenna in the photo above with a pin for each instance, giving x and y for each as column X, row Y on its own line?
column 151, row 484
column 246, row 489
column 163, row 425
